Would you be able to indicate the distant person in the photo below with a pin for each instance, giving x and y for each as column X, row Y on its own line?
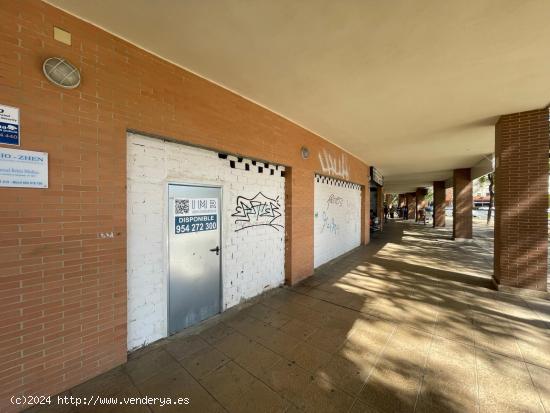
column 386, row 212
column 392, row 212
column 405, row 210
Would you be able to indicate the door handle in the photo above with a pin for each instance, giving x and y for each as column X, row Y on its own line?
column 216, row 250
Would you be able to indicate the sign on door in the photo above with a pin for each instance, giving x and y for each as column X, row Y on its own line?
column 195, row 215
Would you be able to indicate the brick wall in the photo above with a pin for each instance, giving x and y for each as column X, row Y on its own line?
column 63, row 286
column 521, row 200
column 462, row 204
column 337, row 223
column 411, row 204
column 365, row 213
column 420, row 200
column 252, row 259
column 402, row 200
column 380, row 206
column 439, row 204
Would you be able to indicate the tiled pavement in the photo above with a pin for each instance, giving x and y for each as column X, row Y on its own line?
column 408, row 323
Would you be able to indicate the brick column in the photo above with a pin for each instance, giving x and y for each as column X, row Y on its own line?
column 420, row 201
column 439, row 203
column 365, row 214
column 462, row 204
column 521, row 200
column 401, row 203
column 411, row 204
column 380, row 206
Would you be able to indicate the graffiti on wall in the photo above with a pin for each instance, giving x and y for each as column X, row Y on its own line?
column 259, row 210
column 335, row 166
column 328, row 224
column 335, row 200
column 328, row 216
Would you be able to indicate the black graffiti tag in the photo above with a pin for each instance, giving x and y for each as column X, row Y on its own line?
column 257, row 211
column 335, row 200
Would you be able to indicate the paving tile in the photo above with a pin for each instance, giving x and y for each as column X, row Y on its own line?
column 505, row 385
column 279, row 342
column 149, row 364
column 455, row 325
column 392, row 386
column 178, row 383
column 270, row 316
column 347, row 373
column 239, row 391
column 260, row 398
column 362, row 407
column 185, row 346
column 400, row 326
column 306, row 300
column 415, row 344
column 216, row 333
column 258, row 359
column 449, row 379
column 288, row 380
column 328, row 339
column 541, row 378
column 234, row 344
column 204, row 361
column 273, row 301
column 321, row 396
column 252, row 327
column 298, row 329
column 534, row 345
column 106, row 384
column 308, row 357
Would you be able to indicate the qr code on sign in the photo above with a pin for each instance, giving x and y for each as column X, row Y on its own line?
column 182, row 206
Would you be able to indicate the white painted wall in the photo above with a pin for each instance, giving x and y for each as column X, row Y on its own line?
column 337, row 218
column 252, row 258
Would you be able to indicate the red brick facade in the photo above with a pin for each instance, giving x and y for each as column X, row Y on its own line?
column 521, row 200
column 402, row 200
column 420, row 200
column 411, row 204
column 462, row 204
column 380, row 205
column 439, row 204
column 63, row 287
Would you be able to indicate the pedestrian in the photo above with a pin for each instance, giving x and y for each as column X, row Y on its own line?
column 386, row 212
column 405, row 212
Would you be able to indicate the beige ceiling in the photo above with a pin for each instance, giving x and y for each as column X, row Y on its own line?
column 413, row 87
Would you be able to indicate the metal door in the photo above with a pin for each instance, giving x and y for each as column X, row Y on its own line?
column 194, row 251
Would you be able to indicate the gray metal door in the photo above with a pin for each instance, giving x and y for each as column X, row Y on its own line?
column 194, row 250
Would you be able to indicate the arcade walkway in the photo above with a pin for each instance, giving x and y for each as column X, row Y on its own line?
column 408, row 323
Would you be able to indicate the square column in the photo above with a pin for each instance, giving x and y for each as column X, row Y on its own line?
column 439, row 204
column 521, row 200
column 401, row 201
column 420, row 201
column 380, row 206
column 411, row 204
column 463, row 200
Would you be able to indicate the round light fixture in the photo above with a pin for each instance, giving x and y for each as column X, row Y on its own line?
column 61, row 72
column 305, row 152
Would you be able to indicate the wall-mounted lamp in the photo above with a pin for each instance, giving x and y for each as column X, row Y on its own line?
column 61, row 73
column 304, row 152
